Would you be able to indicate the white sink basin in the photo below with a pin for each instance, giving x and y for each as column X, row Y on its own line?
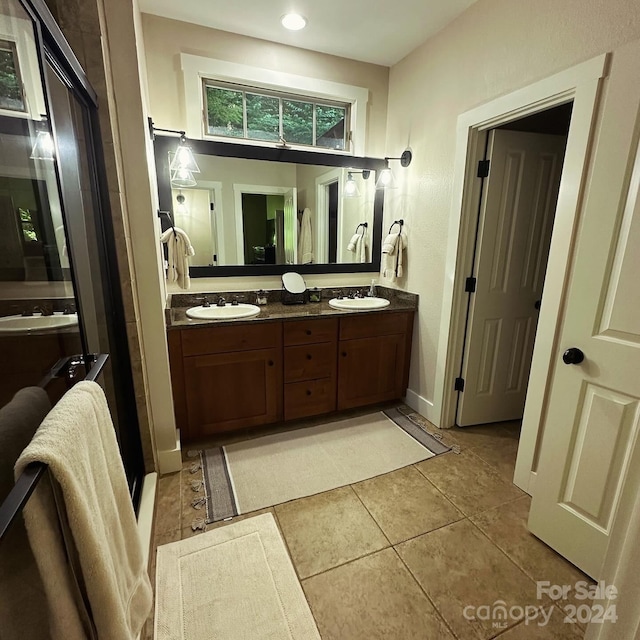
column 363, row 304
column 37, row 323
column 228, row 312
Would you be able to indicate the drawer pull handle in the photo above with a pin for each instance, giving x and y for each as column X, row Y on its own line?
column 308, row 332
column 270, row 363
column 308, row 356
column 344, row 354
column 308, row 392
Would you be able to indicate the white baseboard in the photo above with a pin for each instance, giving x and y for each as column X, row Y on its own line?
column 423, row 406
column 170, row 460
column 145, row 512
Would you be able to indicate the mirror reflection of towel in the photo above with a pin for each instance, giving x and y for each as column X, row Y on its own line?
column 358, row 245
column 305, row 239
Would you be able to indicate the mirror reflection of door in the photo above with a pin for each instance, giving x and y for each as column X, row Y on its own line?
column 259, row 223
column 194, row 211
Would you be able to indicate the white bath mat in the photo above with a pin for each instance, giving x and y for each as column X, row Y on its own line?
column 232, row 583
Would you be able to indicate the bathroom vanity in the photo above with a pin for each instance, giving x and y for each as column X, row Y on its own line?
column 286, row 363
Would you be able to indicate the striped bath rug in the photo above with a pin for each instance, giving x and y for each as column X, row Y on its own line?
column 259, row 473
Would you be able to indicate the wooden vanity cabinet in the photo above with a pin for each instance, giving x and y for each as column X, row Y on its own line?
column 309, row 367
column 231, row 377
column 373, row 358
column 245, row 375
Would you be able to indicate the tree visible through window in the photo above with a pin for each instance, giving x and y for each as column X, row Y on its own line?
column 240, row 113
column 11, row 96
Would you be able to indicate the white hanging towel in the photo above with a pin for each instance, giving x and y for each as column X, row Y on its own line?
column 392, row 250
column 305, row 239
column 179, row 249
column 359, row 244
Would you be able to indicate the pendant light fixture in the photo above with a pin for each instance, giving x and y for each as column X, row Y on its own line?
column 183, row 178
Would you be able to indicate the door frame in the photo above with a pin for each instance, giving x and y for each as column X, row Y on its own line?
column 322, row 212
column 580, row 84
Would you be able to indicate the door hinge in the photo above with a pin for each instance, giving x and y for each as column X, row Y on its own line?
column 483, row 168
column 212, row 206
column 470, row 285
column 459, row 384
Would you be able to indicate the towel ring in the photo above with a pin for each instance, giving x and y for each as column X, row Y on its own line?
column 362, row 224
column 397, row 222
column 167, row 215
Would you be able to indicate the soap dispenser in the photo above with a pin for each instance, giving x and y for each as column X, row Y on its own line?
column 372, row 290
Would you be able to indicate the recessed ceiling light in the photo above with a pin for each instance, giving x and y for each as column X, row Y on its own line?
column 293, row 21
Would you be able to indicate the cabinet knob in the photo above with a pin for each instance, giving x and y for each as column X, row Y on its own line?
column 308, row 392
column 308, row 356
column 270, row 363
column 308, row 332
column 344, row 354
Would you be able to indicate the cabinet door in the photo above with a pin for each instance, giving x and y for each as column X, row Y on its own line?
column 229, row 391
column 370, row 370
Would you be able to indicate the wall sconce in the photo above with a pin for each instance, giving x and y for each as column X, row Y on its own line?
column 183, row 164
column 351, row 189
column 386, row 179
column 43, row 147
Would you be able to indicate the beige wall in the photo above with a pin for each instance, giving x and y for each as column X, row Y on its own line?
column 165, row 39
column 495, row 47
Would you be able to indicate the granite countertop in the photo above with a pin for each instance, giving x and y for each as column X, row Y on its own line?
column 176, row 315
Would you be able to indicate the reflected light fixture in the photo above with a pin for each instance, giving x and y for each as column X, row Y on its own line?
column 184, row 159
column 293, row 21
column 386, row 179
column 43, row 147
column 183, row 178
column 351, row 189
column 181, row 208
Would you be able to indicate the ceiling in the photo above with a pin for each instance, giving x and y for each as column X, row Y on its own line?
column 378, row 32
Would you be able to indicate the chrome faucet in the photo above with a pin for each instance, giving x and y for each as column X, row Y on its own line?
column 43, row 310
column 221, row 302
column 205, row 302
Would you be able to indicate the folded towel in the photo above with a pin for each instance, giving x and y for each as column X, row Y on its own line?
column 23, row 604
column 389, row 244
column 391, row 267
column 352, row 243
column 78, row 442
column 179, row 249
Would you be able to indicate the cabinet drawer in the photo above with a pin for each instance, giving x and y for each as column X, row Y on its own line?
column 241, row 337
column 310, row 331
column 310, row 398
column 384, row 324
column 309, row 362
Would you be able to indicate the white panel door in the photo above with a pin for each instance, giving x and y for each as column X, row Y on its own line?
column 514, row 233
column 589, row 453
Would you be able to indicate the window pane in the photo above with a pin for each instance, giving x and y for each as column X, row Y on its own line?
column 297, row 121
column 224, row 112
column 263, row 117
column 10, row 89
column 330, row 127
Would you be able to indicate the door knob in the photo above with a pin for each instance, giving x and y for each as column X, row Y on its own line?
column 573, row 356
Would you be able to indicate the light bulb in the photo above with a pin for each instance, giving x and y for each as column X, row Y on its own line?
column 351, row 187
column 293, row 21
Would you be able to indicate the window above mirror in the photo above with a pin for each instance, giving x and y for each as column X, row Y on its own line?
column 241, row 112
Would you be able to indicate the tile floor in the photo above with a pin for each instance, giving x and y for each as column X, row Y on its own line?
column 400, row 556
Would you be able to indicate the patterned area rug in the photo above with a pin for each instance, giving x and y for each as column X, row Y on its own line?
column 270, row 470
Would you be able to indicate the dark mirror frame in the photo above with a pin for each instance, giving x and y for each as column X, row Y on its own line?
column 165, row 144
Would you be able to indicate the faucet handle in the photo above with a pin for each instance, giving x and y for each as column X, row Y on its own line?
column 236, row 299
column 68, row 310
column 221, row 302
column 205, row 302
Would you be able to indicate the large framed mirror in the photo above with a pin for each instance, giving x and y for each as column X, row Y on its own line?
column 254, row 210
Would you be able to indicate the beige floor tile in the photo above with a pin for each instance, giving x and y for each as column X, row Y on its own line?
column 506, row 526
column 405, row 504
column 496, row 434
column 168, row 504
column 327, row 530
column 373, row 598
column 470, row 483
column 502, row 458
column 458, row 567
column 555, row 629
